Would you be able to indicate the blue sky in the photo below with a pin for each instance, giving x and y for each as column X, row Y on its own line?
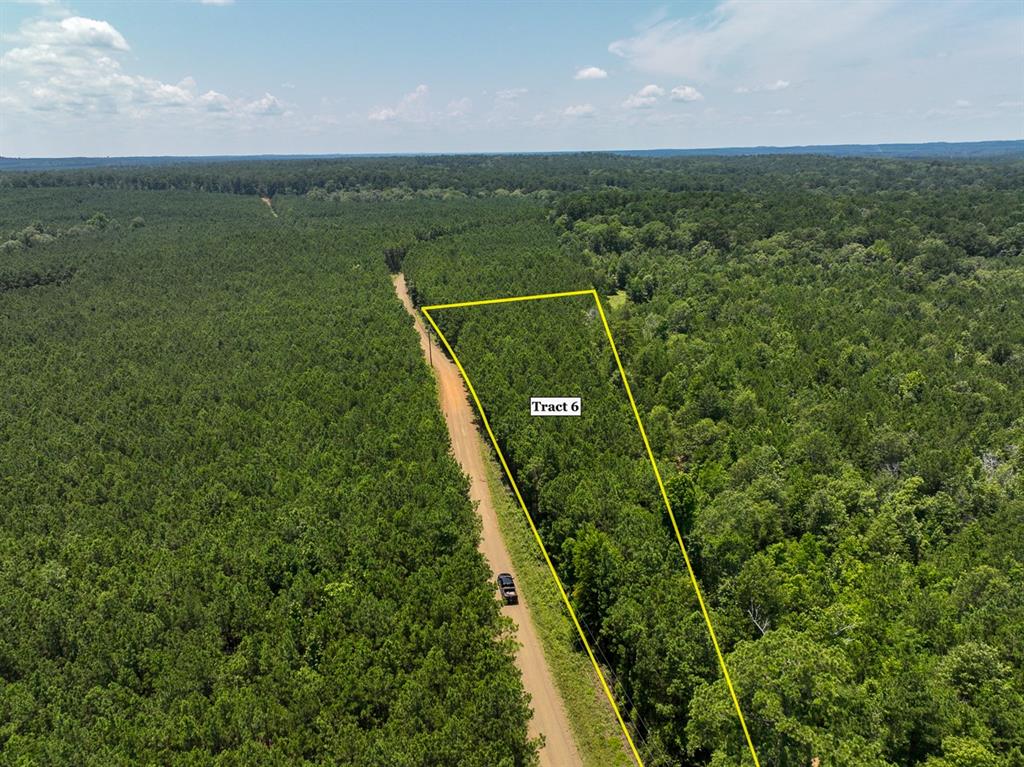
column 86, row 78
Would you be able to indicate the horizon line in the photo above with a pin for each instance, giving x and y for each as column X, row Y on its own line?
column 762, row 148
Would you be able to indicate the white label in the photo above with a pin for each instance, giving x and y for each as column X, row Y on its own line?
column 555, row 406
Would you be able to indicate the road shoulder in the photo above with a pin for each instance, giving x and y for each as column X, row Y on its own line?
column 593, row 723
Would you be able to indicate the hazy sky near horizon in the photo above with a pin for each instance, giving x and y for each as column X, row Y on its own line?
column 95, row 78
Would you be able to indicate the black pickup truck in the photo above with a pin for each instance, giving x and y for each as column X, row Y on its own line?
column 507, row 587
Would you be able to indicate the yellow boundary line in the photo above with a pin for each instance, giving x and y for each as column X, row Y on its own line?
column 529, row 518
column 513, row 299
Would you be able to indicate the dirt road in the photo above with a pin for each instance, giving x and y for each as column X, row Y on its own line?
column 549, row 716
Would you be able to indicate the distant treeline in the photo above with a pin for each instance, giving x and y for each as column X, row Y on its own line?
column 483, row 174
column 932, row 149
column 960, row 150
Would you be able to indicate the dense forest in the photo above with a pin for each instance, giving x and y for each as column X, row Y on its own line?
column 834, row 387
column 232, row 532
column 389, row 178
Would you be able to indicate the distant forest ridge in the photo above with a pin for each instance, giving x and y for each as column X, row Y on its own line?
column 952, row 150
column 940, row 149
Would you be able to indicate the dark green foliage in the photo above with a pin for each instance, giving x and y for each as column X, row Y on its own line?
column 454, row 177
column 231, row 532
column 829, row 358
column 393, row 257
column 33, row 277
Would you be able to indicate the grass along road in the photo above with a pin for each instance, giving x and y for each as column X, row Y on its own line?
column 598, row 736
column 549, row 713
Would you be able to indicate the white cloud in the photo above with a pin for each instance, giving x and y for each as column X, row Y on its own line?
column 72, row 66
column 961, row 103
column 213, row 101
column 778, row 85
column 268, row 105
column 383, row 114
column 510, row 94
column 590, row 73
column 414, row 108
column 742, row 38
column 645, row 98
column 165, row 94
column 216, row 2
column 74, row 31
column 411, row 108
column 580, row 110
column 686, row 93
column 1010, row 104
column 894, row 60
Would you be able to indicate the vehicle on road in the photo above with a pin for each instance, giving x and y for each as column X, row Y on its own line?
column 507, row 587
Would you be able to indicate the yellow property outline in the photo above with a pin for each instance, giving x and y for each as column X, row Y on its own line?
column 657, row 474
